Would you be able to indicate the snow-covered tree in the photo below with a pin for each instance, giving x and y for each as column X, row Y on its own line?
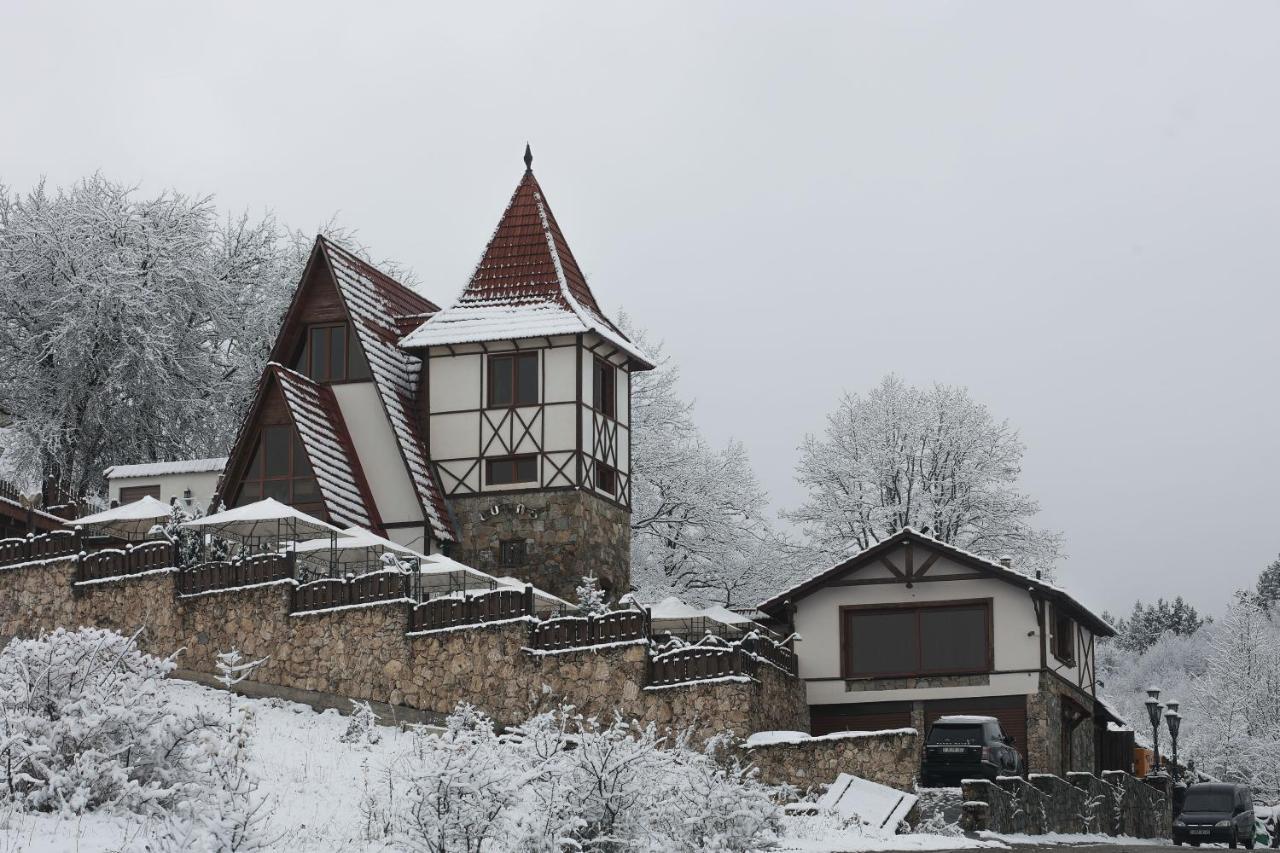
column 1268, row 589
column 699, row 521
column 930, row 458
column 1148, row 622
column 131, row 329
column 591, row 598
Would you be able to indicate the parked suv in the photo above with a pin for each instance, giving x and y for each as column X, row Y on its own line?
column 1214, row 812
column 967, row 748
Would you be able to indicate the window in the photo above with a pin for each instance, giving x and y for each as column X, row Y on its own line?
column 278, row 469
column 1063, row 639
column 511, row 469
column 129, row 494
column 604, row 395
column 330, row 355
column 907, row 641
column 513, row 380
column 606, row 479
column 512, row 553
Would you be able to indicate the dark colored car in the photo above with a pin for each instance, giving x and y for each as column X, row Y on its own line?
column 961, row 748
column 1216, row 813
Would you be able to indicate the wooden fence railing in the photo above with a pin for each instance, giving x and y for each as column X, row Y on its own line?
column 224, row 574
column 775, row 653
column 698, row 663
column 341, row 592
column 573, row 631
column 131, row 560
column 56, row 543
column 453, row 612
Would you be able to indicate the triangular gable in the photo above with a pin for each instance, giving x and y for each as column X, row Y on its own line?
column 924, row 547
column 527, row 284
column 313, row 414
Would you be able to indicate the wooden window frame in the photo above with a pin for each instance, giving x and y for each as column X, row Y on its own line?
column 848, row 609
column 350, row 345
column 1067, row 655
column 259, row 453
column 138, row 492
column 515, row 358
column 515, row 460
column 601, row 468
column 609, row 389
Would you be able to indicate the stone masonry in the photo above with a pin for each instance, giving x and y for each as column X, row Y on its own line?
column 1117, row 804
column 890, row 758
column 1044, row 728
column 567, row 535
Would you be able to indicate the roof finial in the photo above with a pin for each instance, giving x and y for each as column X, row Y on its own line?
column 528, row 158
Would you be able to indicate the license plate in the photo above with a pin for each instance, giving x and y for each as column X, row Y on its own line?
column 1200, row 831
column 953, row 749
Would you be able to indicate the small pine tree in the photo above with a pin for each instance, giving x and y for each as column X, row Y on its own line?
column 591, row 598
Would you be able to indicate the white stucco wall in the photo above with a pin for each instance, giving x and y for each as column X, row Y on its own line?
column 1015, row 632
column 375, row 444
column 201, row 483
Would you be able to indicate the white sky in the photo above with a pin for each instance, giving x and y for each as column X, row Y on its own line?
column 1069, row 207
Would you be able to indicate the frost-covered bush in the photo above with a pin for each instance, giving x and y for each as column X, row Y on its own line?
column 88, row 722
column 565, row 782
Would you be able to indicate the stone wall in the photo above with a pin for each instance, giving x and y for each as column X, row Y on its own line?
column 890, row 758
column 1044, row 729
column 567, row 535
column 1116, row 804
column 365, row 653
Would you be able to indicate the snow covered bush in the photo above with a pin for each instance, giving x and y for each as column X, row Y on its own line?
column 87, row 723
column 564, row 782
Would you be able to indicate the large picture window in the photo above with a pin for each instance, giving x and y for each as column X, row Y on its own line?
column 884, row 642
column 513, row 380
column 279, row 469
column 329, row 354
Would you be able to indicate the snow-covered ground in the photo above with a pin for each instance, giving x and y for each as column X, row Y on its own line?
column 318, row 785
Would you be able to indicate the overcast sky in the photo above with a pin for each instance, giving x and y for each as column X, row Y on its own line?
column 1071, row 208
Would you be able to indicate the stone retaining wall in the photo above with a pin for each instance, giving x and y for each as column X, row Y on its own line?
column 364, row 653
column 890, row 758
column 1117, row 804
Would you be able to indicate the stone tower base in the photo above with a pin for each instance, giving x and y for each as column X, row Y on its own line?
column 566, row 535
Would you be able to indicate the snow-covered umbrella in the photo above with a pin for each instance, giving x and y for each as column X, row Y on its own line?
column 127, row 521
column 264, row 519
column 353, row 548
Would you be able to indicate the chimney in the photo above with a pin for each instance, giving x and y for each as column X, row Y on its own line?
column 1007, row 562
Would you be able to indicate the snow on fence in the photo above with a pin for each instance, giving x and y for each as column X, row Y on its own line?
column 456, row 612
column 700, row 663
column 56, row 543
column 229, row 574
column 775, row 653
column 572, row 631
column 328, row 593
column 131, row 560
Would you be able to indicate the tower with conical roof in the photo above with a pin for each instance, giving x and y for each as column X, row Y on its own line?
column 528, row 409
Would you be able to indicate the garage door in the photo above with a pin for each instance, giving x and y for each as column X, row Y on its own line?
column 1011, row 711
column 862, row 717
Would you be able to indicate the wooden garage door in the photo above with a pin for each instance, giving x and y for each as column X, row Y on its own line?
column 863, row 717
column 1011, row 711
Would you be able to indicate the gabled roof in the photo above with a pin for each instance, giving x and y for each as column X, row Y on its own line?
column 527, row 284
column 1040, row 588
column 379, row 309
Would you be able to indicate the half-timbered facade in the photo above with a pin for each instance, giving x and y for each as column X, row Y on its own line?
column 912, row 629
column 498, row 429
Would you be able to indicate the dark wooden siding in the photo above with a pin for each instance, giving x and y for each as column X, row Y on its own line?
column 861, row 717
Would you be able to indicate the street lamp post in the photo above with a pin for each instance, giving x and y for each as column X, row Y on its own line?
column 1153, row 711
column 1174, row 720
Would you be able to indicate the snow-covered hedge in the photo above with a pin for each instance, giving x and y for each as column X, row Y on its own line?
column 565, row 782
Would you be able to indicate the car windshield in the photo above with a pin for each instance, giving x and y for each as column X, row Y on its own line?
column 955, row 736
column 1208, row 801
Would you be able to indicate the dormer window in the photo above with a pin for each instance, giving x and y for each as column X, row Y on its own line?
column 330, row 354
column 513, row 380
column 604, row 387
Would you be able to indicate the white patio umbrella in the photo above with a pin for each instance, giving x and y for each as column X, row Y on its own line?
column 264, row 519
column 127, row 521
column 355, row 545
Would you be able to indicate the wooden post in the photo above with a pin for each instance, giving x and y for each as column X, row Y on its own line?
column 528, row 600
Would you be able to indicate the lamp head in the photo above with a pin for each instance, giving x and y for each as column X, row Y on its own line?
column 1153, row 692
column 1172, row 705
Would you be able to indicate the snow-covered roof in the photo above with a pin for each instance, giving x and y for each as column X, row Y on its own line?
column 265, row 518
column 160, row 469
column 127, row 520
column 356, row 539
column 1054, row 593
column 966, row 719
column 318, row 419
column 375, row 301
column 527, row 285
